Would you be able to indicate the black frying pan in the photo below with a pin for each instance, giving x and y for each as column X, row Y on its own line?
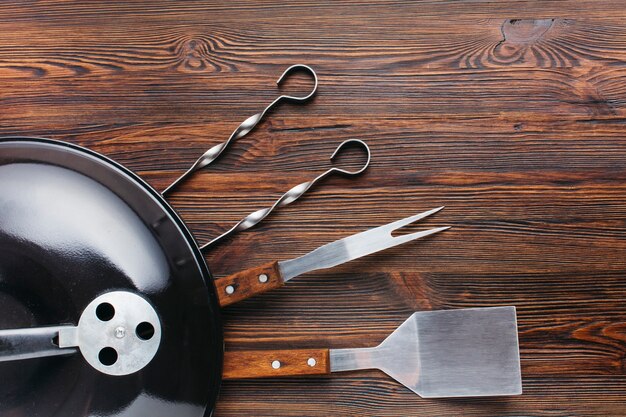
column 75, row 225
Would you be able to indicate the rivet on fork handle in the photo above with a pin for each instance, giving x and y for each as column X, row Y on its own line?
column 245, row 284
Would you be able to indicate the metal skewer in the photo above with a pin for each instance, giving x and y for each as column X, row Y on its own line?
column 248, row 125
column 293, row 194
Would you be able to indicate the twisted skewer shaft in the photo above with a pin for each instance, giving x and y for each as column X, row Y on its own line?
column 292, row 195
column 246, row 127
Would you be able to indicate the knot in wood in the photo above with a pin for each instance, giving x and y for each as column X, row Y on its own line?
column 525, row 31
column 194, row 54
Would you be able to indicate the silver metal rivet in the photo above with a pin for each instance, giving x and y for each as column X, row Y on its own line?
column 276, row 364
column 120, row 332
column 230, row 289
column 311, row 362
column 263, row 278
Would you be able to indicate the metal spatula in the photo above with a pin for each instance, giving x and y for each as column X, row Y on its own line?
column 453, row 353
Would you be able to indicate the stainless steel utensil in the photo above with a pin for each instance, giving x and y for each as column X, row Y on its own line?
column 246, row 126
column 275, row 274
column 452, row 353
column 469, row 352
column 293, row 194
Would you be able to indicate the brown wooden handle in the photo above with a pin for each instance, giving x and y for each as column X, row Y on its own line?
column 275, row 363
column 247, row 283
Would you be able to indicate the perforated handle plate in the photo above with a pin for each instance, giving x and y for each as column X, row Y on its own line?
column 119, row 333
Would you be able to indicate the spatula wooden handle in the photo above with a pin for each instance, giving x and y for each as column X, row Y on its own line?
column 247, row 283
column 275, row 363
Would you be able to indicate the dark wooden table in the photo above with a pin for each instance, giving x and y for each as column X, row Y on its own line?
column 511, row 113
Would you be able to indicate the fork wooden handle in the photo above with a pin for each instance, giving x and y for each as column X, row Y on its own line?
column 275, row 363
column 247, row 283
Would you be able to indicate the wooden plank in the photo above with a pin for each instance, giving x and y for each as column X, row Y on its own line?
column 511, row 114
column 390, row 43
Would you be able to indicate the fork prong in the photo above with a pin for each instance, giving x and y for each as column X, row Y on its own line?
column 355, row 246
column 390, row 227
column 417, row 235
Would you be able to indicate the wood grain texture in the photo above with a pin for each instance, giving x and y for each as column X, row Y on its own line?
column 250, row 364
column 248, row 283
column 512, row 114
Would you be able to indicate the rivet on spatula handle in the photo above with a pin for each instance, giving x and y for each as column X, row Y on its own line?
column 247, row 283
column 275, row 363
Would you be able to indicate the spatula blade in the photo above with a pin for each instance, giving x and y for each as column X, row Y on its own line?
column 457, row 353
